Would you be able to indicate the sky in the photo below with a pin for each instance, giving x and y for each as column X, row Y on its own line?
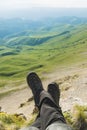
column 7, row 7
column 21, row 4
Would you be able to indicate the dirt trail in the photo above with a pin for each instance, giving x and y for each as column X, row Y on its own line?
column 73, row 85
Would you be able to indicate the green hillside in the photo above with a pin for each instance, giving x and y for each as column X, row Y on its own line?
column 43, row 51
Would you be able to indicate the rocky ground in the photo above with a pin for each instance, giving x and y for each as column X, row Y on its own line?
column 73, row 85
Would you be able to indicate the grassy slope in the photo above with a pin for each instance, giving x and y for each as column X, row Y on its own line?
column 48, row 52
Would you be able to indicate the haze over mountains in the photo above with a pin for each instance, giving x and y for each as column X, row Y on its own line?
column 16, row 25
column 36, row 13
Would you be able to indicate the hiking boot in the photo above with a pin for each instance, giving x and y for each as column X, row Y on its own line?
column 35, row 85
column 54, row 91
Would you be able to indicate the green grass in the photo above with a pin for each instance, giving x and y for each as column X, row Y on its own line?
column 11, row 122
column 42, row 53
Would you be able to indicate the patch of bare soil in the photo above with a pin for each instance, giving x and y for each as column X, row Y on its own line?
column 73, row 86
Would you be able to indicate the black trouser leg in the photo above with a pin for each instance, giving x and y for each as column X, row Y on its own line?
column 37, row 122
column 49, row 111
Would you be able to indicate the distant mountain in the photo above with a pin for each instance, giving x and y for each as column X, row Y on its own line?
column 13, row 26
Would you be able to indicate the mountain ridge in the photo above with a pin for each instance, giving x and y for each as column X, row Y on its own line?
column 44, row 50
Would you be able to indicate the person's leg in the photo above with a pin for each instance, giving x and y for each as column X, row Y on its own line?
column 49, row 105
column 29, row 128
column 54, row 90
column 37, row 122
column 36, row 87
column 49, row 111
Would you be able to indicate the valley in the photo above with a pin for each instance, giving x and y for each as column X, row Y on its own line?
column 56, row 50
